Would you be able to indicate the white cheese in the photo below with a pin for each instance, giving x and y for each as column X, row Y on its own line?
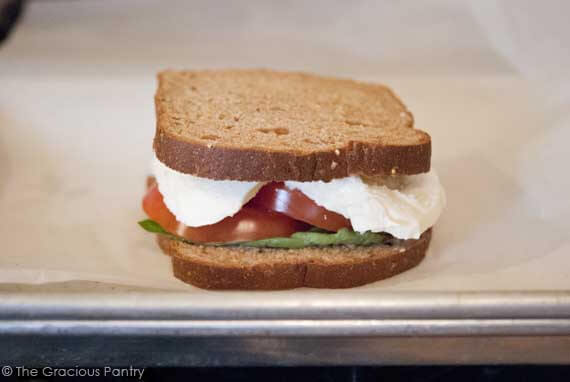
column 199, row 201
column 405, row 212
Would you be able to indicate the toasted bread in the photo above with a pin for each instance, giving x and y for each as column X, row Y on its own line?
column 271, row 269
column 261, row 125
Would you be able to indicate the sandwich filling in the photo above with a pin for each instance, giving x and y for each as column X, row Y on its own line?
column 354, row 210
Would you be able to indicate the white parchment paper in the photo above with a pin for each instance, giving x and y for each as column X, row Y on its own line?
column 489, row 81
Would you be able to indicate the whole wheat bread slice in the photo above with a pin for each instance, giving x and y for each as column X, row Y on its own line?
column 271, row 269
column 261, row 125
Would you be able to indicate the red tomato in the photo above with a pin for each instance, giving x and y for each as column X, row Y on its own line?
column 275, row 196
column 248, row 224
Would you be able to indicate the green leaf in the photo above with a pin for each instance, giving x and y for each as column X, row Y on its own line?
column 153, row 227
column 311, row 238
column 319, row 239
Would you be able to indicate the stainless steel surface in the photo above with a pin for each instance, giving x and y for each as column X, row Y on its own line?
column 237, row 351
column 287, row 328
column 307, row 304
column 310, row 328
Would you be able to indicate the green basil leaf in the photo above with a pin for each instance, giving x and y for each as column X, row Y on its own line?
column 311, row 238
column 153, row 227
column 319, row 239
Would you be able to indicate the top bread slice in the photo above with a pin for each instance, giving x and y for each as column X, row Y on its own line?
column 261, row 125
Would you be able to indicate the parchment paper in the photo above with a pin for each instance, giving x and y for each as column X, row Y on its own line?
column 489, row 82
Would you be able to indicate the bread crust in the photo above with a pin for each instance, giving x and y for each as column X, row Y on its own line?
column 359, row 158
column 275, row 269
column 354, row 129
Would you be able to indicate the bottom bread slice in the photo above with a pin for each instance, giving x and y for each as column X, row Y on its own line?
column 212, row 267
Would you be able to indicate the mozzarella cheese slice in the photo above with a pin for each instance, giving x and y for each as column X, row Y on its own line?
column 199, row 201
column 369, row 203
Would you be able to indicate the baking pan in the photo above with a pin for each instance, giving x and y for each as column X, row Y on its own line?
column 166, row 328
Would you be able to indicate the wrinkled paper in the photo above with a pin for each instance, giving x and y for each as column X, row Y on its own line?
column 488, row 81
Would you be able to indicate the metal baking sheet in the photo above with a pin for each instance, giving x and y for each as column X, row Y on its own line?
column 75, row 320
column 493, row 289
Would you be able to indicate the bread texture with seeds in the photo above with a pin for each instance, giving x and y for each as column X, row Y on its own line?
column 261, row 125
column 272, row 269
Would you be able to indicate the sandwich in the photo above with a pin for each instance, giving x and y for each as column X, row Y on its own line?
column 277, row 180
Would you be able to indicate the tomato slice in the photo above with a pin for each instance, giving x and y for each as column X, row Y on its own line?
column 250, row 223
column 275, row 196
